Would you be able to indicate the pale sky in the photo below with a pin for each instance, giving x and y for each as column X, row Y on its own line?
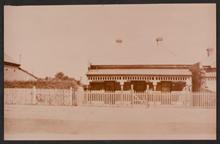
column 66, row 38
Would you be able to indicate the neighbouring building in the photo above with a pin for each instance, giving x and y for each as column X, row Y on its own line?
column 208, row 76
column 13, row 71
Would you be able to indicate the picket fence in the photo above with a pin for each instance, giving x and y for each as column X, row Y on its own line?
column 69, row 97
column 151, row 98
column 40, row 96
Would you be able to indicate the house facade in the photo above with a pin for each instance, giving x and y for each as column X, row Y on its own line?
column 139, row 77
column 200, row 76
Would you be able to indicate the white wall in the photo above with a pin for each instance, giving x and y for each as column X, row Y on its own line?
column 211, row 84
column 12, row 73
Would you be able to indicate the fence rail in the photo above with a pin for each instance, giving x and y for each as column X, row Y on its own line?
column 118, row 98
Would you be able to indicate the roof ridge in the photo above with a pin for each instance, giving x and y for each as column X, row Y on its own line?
column 28, row 72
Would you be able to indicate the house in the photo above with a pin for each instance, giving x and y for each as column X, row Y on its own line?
column 140, row 77
column 14, row 72
column 157, row 77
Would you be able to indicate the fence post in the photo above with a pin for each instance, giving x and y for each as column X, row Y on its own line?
column 71, row 95
column 34, row 101
column 85, row 97
column 121, row 95
column 132, row 95
column 185, row 97
column 79, row 95
column 146, row 97
column 190, row 99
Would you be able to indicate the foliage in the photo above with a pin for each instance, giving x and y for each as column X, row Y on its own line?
column 196, row 77
column 59, row 81
column 61, row 76
column 41, row 84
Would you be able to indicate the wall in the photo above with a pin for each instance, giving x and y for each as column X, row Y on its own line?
column 12, row 73
column 210, row 84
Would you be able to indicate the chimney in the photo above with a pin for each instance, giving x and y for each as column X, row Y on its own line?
column 210, row 52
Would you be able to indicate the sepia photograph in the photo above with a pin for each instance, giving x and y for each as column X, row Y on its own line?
column 110, row 72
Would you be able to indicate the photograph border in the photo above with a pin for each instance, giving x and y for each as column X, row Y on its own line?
column 100, row 2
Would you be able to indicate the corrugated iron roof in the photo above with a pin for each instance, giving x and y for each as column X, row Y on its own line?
column 143, row 66
column 139, row 72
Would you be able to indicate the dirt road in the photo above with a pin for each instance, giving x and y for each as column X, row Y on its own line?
column 71, row 123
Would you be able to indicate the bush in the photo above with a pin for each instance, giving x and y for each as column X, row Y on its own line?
column 59, row 84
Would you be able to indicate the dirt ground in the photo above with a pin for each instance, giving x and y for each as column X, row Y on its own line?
column 84, row 122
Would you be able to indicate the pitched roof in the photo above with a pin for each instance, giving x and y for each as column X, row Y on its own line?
column 210, row 74
column 9, row 60
column 149, row 66
column 139, row 72
column 29, row 73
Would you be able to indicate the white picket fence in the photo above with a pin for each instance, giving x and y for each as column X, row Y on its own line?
column 18, row 96
column 68, row 97
column 40, row 96
column 151, row 98
column 206, row 100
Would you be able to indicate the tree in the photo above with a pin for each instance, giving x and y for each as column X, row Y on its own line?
column 59, row 76
column 62, row 76
column 65, row 78
column 196, row 77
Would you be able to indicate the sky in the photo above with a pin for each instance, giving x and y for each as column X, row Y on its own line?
column 51, row 39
